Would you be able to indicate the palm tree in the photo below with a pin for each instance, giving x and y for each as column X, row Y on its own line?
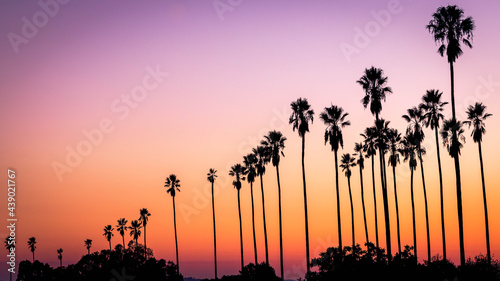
column 144, row 217
column 274, row 143
column 450, row 29
column 135, row 230
column 433, row 108
column 409, row 150
column 32, row 246
column 172, row 183
column 415, row 118
column 121, row 227
column 302, row 114
column 211, row 176
column 238, row 172
column 346, row 163
column 88, row 245
column 394, row 138
column 59, row 256
column 108, row 233
column 262, row 159
column 476, row 115
column 358, row 148
column 250, row 161
column 374, row 85
column 334, row 118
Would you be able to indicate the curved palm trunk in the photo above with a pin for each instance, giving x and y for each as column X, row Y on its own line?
column 488, row 253
column 175, row 233
column 443, row 233
column 363, row 203
column 264, row 218
column 386, row 207
column 215, row 236
column 253, row 225
column 352, row 215
column 397, row 208
column 339, row 227
column 281, row 227
column 241, row 231
column 426, row 209
column 308, row 261
column 375, row 202
column 413, row 216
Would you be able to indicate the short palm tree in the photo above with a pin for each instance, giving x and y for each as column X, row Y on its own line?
column 144, row 217
column 121, row 227
column 302, row 114
column 238, row 172
column 135, row 230
column 476, row 115
column 433, row 108
column 59, row 256
column 335, row 119
column 172, row 183
column 88, row 245
column 211, row 176
column 358, row 148
column 263, row 158
column 346, row 163
column 32, row 246
column 108, row 233
column 250, row 161
column 370, row 151
column 394, row 138
column 274, row 142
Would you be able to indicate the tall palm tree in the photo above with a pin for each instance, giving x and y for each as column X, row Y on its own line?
column 394, row 138
column 334, row 118
column 32, row 246
column 358, row 148
column 409, row 150
column 263, row 158
column 370, row 151
column 135, row 230
column 302, row 114
column 88, row 245
column 211, row 176
column 274, row 143
column 450, row 29
column 433, row 108
column 144, row 217
column 172, row 183
column 108, row 233
column 8, row 246
column 238, row 172
column 374, row 84
column 250, row 161
column 59, row 256
column 346, row 163
column 476, row 115
column 415, row 118
column 121, row 227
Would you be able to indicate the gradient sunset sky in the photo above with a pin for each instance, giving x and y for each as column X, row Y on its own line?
column 231, row 79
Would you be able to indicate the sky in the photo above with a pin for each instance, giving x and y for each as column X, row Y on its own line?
column 102, row 100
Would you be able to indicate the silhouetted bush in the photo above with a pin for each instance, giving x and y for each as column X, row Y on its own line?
column 252, row 272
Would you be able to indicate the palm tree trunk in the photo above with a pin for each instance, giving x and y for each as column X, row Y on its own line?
column 415, row 252
column 175, row 234
column 264, row 218
column 145, row 247
column 88, row 250
column 339, row 227
column 363, row 203
column 443, row 233
column 60, row 263
column 397, row 207
column 123, row 238
column 452, row 77
column 386, row 207
column 110, row 246
column 426, row 208
column 215, row 236
column 33, row 256
column 488, row 253
column 281, row 227
column 460, row 211
column 308, row 261
column 241, row 231
column 352, row 215
column 253, row 224
column 375, row 202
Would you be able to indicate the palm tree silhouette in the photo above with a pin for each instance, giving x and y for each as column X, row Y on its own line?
column 8, row 245
column 394, row 138
column 334, row 118
column 415, row 118
column 476, row 115
column 238, row 172
column 135, row 230
column 173, row 184
column 108, row 233
column 358, row 148
column 263, row 158
column 374, row 85
column 450, row 29
column 144, row 213
column 346, row 163
column 32, row 246
column 370, row 149
column 433, row 108
column 274, row 143
column 302, row 114
column 121, row 227
column 88, row 245
column 59, row 256
column 211, row 176
column 250, row 161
